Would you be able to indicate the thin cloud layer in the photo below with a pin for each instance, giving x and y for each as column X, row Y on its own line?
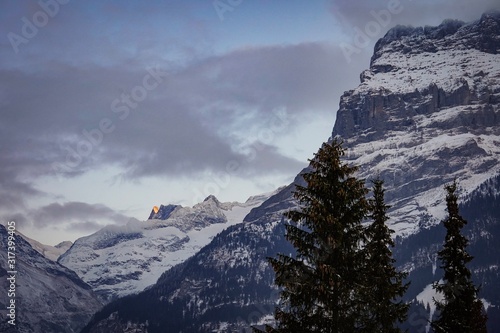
column 69, row 212
column 406, row 12
column 70, row 216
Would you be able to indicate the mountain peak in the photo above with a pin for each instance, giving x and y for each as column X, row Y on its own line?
column 163, row 212
column 481, row 35
column 45, row 287
column 447, row 27
column 64, row 245
column 213, row 198
column 417, row 72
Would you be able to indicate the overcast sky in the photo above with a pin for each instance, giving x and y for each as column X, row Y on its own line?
column 110, row 107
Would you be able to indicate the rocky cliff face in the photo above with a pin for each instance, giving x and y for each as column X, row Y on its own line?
column 417, row 72
column 163, row 212
column 427, row 111
column 48, row 297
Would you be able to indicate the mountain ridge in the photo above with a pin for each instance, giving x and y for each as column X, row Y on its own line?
column 51, row 252
column 121, row 260
column 48, row 296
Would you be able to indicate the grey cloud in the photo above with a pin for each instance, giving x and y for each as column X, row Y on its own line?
column 299, row 77
column 261, row 156
column 113, row 32
column 74, row 212
column 87, row 226
column 184, row 123
column 92, row 225
column 70, row 216
column 20, row 218
column 239, row 90
column 14, row 193
column 15, row 190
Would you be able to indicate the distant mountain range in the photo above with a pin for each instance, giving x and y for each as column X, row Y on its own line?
column 122, row 260
column 51, row 252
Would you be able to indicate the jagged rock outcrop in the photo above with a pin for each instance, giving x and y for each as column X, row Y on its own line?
column 163, row 212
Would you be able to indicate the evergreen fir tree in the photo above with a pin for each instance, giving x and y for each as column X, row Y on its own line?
column 384, row 285
column 321, row 283
column 461, row 310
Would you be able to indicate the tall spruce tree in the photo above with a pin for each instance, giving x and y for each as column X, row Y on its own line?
column 384, row 285
column 460, row 311
column 321, row 283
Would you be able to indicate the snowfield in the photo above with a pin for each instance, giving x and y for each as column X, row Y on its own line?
column 122, row 260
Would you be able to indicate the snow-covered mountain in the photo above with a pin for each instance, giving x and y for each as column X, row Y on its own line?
column 47, row 296
column 426, row 111
column 121, row 260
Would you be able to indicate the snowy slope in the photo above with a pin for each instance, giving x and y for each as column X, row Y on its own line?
column 121, row 260
column 427, row 298
column 48, row 296
column 50, row 252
